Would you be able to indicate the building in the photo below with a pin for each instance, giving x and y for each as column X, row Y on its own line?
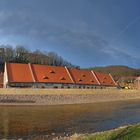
column 44, row 76
column 51, row 76
column 1, row 80
column 127, row 82
column 137, row 83
column 84, row 78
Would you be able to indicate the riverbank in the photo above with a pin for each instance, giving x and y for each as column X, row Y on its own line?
column 131, row 132
column 64, row 96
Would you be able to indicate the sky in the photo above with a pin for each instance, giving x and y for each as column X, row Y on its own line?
column 87, row 33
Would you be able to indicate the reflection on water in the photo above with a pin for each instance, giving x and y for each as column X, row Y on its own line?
column 31, row 121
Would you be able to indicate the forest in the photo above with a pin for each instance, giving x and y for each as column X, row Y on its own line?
column 20, row 54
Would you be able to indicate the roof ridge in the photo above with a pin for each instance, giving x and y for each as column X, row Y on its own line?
column 93, row 73
column 69, row 74
column 32, row 74
column 112, row 79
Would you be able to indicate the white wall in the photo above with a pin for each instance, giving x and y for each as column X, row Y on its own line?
column 5, row 77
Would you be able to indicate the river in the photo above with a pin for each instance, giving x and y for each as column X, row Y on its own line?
column 35, row 122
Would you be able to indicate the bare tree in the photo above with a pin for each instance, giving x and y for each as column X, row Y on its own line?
column 21, row 55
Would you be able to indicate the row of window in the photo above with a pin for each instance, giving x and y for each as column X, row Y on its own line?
column 55, row 86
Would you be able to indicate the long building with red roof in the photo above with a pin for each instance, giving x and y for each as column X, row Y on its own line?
column 44, row 76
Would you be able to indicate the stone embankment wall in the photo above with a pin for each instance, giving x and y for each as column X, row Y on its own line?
column 63, row 96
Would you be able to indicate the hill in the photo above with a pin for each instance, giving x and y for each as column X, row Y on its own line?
column 118, row 71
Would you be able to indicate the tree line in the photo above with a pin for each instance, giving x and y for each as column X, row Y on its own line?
column 20, row 54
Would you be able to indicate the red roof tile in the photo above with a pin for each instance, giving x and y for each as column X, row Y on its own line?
column 50, row 74
column 105, row 79
column 1, row 77
column 19, row 72
column 55, row 74
column 83, row 77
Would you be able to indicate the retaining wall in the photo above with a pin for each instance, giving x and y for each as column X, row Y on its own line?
column 63, row 96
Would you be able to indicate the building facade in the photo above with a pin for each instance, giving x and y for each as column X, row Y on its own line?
column 137, row 83
column 43, row 76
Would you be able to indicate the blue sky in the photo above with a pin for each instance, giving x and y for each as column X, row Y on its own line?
column 85, row 32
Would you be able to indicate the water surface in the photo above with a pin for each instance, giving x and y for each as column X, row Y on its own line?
column 51, row 121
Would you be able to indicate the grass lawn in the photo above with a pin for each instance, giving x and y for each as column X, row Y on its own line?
column 128, row 133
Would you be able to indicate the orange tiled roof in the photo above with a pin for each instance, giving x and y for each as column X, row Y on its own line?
column 1, row 77
column 55, row 74
column 19, row 72
column 50, row 74
column 83, row 77
column 104, row 79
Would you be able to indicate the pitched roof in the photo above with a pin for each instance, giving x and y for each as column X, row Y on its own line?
column 83, row 77
column 19, row 72
column 50, row 74
column 105, row 79
column 55, row 74
column 1, row 77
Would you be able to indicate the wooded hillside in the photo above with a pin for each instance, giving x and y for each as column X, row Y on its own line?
column 118, row 71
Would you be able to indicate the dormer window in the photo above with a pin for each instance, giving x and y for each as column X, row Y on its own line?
column 104, row 78
column 92, row 81
column 62, row 78
column 83, row 75
column 45, row 77
column 79, row 80
column 52, row 71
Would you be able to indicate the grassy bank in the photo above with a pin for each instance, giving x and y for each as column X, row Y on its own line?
column 126, row 133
